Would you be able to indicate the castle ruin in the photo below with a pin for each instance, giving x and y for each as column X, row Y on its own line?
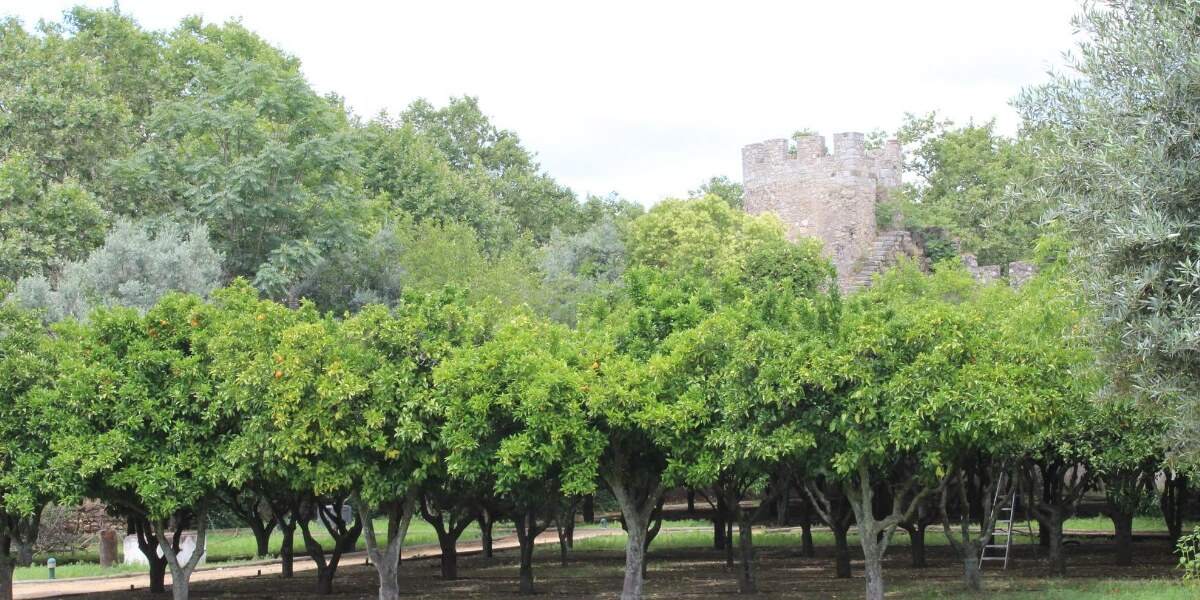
column 832, row 197
column 829, row 196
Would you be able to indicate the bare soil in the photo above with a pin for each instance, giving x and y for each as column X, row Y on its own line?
column 701, row 573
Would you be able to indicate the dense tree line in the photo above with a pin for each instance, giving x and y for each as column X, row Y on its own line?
column 725, row 374
column 103, row 122
column 227, row 289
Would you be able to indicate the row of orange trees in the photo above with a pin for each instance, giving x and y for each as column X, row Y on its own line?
column 717, row 377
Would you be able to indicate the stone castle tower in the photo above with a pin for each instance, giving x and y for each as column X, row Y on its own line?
column 828, row 196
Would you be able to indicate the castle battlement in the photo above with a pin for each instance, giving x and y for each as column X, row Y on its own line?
column 816, row 193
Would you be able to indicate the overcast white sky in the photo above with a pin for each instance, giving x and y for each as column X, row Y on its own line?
column 650, row 98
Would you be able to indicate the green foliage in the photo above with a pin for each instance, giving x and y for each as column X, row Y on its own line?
column 76, row 94
column 137, row 265
column 423, row 258
column 723, row 188
column 413, row 178
column 577, row 267
column 1189, row 555
column 143, row 424
column 493, row 162
column 28, row 365
column 928, row 368
column 516, row 414
column 43, row 225
column 251, row 151
column 596, row 208
column 1117, row 157
column 963, row 174
column 708, row 232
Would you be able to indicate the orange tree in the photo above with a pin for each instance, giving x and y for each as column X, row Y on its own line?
column 298, row 385
column 906, row 395
column 395, row 453
column 27, row 429
column 735, row 364
column 143, row 427
column 244, row 330
column 515, row 417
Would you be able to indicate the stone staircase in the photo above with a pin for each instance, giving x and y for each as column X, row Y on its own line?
column 886, row 250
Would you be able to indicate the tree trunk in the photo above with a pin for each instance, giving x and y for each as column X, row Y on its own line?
column 325, row 580
column 564, row 526
column 691, row 502
column 916, row 536
column 1058, row 555
column 635, row 557
column 332, row 521
column 262, row 538
column 561, row 530
column 6, row 567
column 148, row 545
column 589, row 509
column 181, row 574
column 806, row 539
column 28, row 538
column 746, row 582
column 485, row 535
column 972, row 579
column 638, row 507
column 719, row 525
column 6, row 578
column 841, row 550
column 729, row 543
column 1172, row 503
column 387, row 559
column 782, row 507
column 449, row 560
column 526, row 531
column 1123, row 525
column 158, row 575
column 874, row 568
column 287, row 549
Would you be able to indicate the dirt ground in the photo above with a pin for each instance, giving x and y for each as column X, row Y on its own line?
column 783, row 573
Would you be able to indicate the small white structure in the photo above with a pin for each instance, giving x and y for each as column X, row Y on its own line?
column 187, row 545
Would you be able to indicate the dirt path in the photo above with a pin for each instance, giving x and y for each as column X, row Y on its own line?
column 114, row 583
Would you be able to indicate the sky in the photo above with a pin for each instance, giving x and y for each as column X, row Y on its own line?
column 650, row 98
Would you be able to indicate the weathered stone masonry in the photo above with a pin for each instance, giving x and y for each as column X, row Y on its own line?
column 832, row 197
column 828, row 196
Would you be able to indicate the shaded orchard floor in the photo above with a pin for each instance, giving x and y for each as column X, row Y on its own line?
column 699, row 573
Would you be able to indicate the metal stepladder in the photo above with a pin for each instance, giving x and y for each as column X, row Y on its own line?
column 993, row 550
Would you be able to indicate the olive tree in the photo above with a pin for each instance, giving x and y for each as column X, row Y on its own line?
column 1115, row 133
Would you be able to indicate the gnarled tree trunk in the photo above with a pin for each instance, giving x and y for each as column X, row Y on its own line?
column 387, row 559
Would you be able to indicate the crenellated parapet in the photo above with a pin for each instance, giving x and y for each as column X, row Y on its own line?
column 830, row 196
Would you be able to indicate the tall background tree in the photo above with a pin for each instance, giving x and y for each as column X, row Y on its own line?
column 963, row 177
column 1118, row 155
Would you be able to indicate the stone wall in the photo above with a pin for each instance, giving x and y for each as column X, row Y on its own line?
column 828, row 196
column 1018, row 271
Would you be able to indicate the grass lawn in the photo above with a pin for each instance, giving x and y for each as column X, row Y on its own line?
column 1153, row 589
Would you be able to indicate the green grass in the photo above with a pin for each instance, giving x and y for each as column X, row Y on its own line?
column 673, row 540
column 73, row 570
column 1081, row 590
column 238, row 544
column 1105, row 524
column 934, row 536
